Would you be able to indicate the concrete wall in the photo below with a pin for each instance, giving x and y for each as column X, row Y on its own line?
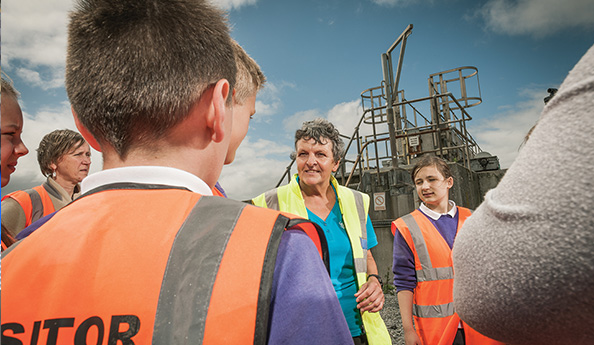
column 383, row 252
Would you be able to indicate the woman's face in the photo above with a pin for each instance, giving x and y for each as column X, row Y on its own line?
column 432, row 187
column 12, row 145
column 315, row 162
column 74, row 165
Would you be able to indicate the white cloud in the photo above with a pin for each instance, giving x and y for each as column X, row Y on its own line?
column 34, row 128
column 258, row 166
column 34, row 78
column 34, row 31
column 294, row 122
column 394, row 3
column 345, row 116
column 233, row 4
column 503, row 134
column 264, row 110
column 268, row 102
column 538, row 18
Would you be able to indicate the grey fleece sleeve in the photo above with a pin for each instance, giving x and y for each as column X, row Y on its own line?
column 524, row 261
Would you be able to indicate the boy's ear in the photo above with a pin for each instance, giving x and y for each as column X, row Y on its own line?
column 219, row 106
column 85, row 132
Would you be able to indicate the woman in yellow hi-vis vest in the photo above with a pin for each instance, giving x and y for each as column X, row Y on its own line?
column 314, row 193
column 423, row 273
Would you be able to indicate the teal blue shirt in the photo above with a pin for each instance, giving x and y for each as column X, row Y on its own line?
column 342, row 267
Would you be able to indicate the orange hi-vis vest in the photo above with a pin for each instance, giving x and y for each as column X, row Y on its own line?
column 36, row 203
column 144, row 264
column 217, row 192
column 436, row 321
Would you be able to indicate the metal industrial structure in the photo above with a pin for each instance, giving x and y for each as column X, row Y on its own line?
column 393, row 132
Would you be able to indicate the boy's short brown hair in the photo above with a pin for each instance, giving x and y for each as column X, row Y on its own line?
column 250, row 78
column 134, row 68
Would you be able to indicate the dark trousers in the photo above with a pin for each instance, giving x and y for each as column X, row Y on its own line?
column 360, row 340
column 459, row 339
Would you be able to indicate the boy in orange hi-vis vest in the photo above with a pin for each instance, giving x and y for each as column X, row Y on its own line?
column 423, row 273
column 146, row 255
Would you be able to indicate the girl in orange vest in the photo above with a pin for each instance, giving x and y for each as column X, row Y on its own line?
column 423, row 273
column 12, row 145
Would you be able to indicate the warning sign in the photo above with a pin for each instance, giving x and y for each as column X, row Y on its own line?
column 379, row 201
column 413, row 141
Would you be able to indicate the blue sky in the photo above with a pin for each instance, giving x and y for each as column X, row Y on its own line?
column 319, row 56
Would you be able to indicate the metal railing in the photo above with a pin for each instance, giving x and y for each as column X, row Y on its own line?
column 450, row 137
column 439, row 129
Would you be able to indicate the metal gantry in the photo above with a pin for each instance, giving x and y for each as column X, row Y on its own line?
column 393, row 131
column 402, row 129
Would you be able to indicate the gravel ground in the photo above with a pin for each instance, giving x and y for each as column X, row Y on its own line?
column 391, row 317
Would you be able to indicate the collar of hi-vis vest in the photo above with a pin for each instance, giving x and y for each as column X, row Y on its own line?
column 435, row 215
column 155, row 175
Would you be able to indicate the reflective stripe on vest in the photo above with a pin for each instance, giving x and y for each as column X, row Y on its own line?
column 36, row 203
column 356, row 225
column 441, row 310
column 433, row 307
column 428, row 272
column 233, row 313
column 200, row 275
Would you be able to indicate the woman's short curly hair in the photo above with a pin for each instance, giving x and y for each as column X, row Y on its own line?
column 322, row 131
column 56, row 144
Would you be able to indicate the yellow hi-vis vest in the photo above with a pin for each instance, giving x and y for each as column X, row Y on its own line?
column 353, row 207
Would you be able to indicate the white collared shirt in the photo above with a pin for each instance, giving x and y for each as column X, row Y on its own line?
column 146, row 175
column 435, row 215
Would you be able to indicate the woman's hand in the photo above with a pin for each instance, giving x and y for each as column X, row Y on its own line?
column 370, row 296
